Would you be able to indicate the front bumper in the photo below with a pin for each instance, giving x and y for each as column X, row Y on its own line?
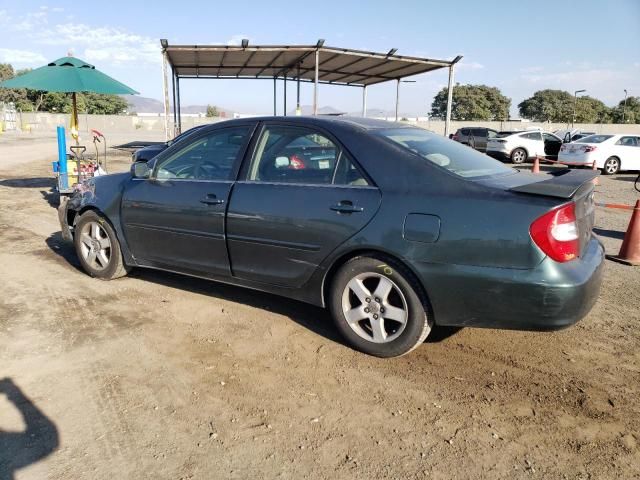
column 549, row 297
column 63, row 218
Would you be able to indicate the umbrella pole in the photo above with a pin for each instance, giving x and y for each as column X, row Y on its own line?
column 75, row 133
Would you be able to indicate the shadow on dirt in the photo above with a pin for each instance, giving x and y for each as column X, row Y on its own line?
column 316, row 319
column 33, row 182
column 64, row 249
column 603, row 232
column 38, row 439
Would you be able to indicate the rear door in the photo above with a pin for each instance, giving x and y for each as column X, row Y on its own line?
column 552, row 145
column 480, row 138
column 302, row 196
column 175, row 219
column 628, row 150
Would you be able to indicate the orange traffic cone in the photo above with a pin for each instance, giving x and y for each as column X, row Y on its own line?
column 536, row 166
column 630, row 249
column 596, row 181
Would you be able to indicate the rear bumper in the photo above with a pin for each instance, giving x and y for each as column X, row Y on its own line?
column 550, row 297
column 499, row 155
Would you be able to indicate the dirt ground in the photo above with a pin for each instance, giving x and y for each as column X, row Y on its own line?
column 162, row 376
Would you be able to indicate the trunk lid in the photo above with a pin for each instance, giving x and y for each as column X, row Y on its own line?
column 562, row 185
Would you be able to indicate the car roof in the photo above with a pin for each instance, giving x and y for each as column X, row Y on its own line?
column 364, row 123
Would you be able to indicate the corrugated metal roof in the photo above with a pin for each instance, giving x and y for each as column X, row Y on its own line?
column 340, row 66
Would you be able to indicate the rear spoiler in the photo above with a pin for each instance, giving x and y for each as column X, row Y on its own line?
column 562, row 184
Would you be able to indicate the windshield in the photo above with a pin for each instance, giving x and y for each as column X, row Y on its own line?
column 455, row 157
column 594, row 139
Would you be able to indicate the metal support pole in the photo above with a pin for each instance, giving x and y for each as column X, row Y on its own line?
column 165, row 88
column 274, row 97
column 397, row 97
column 364, row 101
column 175, row 112
column 298, row 111
column 178, row 105
column 447, row 120
column 285, row 94
column 315, row 84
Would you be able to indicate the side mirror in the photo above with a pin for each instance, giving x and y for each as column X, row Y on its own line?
column 140, row 170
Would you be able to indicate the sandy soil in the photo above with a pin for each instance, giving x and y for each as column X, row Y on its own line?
column 161, row 376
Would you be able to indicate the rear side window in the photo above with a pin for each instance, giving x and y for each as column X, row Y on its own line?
column 287, row 154
column 479, row 132
column 594, row 139
column 465, row 131
column 458, row 159
column 532, row 136
column 627, row 141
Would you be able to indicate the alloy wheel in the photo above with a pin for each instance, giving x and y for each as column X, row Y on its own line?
column 611, row 166
column 374, row 307
column 95, row 245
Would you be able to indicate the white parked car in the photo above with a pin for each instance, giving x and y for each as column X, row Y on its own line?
column 519, row 147
column 612, row 153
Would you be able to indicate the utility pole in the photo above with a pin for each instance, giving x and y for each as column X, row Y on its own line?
column 624, row 106
column 575, row 102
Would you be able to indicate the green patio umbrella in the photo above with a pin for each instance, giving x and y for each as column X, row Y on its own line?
column 71, row 75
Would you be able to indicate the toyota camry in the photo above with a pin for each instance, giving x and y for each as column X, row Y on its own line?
column 393, row 228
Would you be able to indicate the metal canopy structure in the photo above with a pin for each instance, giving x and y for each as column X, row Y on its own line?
column 300, row 63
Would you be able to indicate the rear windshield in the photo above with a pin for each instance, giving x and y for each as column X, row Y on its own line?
column 455, row 157
column 594, row 139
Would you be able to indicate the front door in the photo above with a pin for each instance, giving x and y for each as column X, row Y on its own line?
column 302, row 197
column 175, row 219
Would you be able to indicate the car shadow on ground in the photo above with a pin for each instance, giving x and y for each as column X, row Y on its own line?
column 603, row 232
column 313, row 318
column 38, row 439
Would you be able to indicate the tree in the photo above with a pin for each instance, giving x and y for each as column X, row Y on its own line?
column 17, row 96
column 212, row 111
column 558, row 106
column 472, row 102
column 631, row 111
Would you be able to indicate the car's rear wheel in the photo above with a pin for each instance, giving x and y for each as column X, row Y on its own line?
column 97, row 247
column 378, row 307
column 519, row 155
column 611, row 166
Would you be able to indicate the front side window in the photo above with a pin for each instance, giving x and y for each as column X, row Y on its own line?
column 479, row 132
column 210, row 157
column 301, row 155
column 453, row 156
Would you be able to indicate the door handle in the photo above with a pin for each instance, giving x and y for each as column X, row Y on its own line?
column 346, row 207
column 210, row 199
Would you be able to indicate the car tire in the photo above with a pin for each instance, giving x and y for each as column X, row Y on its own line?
column 611, row 166
column 97, row 247
column 518, row 156
column 389, row 315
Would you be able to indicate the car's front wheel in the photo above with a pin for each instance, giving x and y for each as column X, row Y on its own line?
column 519, row 155
column 378, row 307
column 97, row 247
column 611, row 166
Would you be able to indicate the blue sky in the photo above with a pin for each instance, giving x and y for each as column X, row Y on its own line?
column 518, row 46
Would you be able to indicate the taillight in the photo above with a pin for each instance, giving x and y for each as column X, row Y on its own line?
column 296, row 163
column 455, row 137
column 589, row 148
column 562, row 148
column 556, row 233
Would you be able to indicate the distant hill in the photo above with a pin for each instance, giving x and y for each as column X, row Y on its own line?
column 308, row 110
column 140, row 104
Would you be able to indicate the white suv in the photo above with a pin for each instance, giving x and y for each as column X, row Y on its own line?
column 518, row 147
